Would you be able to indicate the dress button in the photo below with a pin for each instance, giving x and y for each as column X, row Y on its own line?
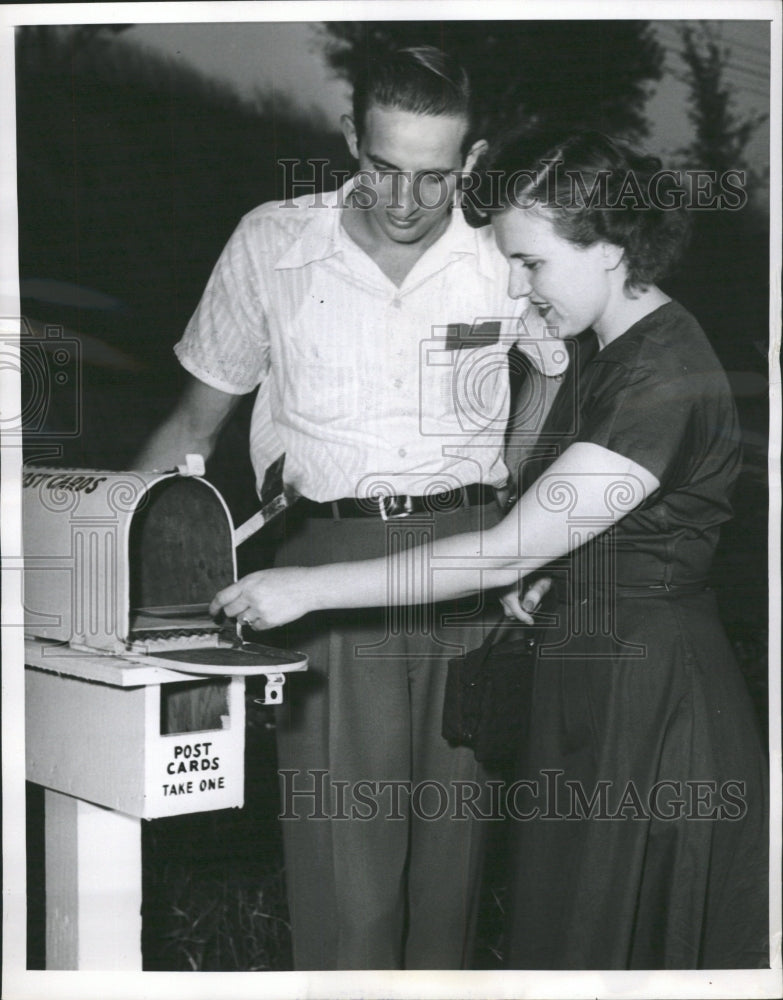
column 402, row 453
column 397, row 303
column 397, row 383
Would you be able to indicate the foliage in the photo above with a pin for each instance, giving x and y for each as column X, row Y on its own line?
column 224, row 919
column 720, row 135
column 213, row 883
column 726, row 281
column 563, row 73
column 132, row 173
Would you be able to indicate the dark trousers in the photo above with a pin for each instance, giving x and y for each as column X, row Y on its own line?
column 379, row 875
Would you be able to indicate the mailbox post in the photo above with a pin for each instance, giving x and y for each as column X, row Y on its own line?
column 115, row 605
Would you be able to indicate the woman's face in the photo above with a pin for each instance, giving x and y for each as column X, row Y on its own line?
column 569, row 286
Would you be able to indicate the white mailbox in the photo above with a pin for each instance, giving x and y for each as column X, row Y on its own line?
column 135, row 697
column 116, row 560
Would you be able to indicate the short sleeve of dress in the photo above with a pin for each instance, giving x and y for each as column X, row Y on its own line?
column 640, row 411
column 226, row 342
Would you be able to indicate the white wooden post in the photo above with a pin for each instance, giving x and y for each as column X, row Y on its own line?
column 93, row 886
column 95, row 736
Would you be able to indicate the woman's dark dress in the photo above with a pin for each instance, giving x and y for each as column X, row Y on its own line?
column 638, row 702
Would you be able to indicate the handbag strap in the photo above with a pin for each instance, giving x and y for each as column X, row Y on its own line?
column 502, row 627
column 507, row 626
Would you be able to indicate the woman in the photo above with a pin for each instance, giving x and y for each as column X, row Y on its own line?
column 640, row 835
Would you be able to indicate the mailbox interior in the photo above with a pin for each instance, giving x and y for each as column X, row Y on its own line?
column 180, row 553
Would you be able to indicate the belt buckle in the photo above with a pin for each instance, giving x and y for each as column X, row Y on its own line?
column 407, row 508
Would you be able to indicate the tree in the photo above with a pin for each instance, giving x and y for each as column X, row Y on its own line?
column 132, row 172
column 565, row 74
column 720, row 135
column 727, row 278
column 725, row 282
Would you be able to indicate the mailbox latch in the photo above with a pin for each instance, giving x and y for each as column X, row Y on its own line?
column 273, row 690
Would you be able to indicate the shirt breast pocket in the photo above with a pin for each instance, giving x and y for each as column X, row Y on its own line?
column 464, row 391
column 468, row 336
column 321, row 383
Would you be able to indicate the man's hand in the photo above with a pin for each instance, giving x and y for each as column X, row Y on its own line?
column 523, row 611
column 192, row 428
column 268, row 598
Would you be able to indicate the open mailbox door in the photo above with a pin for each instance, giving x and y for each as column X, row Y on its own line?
column 120, row 568
column 134, row 696
column 127, row 563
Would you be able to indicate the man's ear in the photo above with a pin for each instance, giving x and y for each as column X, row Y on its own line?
column 351, row 138
column 475, row 151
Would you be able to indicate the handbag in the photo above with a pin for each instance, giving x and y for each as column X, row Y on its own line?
column 488, row 693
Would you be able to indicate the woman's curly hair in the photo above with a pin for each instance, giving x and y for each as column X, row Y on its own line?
column 592, row 188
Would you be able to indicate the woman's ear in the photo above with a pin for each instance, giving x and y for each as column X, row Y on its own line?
column 612, row 255
column 351, row 138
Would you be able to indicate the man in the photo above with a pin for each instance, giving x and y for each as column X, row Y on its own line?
column 377, row 324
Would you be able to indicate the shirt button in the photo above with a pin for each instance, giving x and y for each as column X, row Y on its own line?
column 397, row 303
column 397, row 383
column 402, row 453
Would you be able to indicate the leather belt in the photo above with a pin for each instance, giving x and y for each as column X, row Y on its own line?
column 582, row 595
column 390, row 508
column 660, row 589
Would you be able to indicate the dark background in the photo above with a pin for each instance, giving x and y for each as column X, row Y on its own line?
column 133, row 172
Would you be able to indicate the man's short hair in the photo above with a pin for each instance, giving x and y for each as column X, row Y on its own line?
column 419, row 79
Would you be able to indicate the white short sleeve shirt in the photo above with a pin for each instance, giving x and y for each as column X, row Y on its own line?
column 367, row 387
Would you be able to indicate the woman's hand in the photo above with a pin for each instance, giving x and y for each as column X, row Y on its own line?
column 268, row 598
column 523, row 611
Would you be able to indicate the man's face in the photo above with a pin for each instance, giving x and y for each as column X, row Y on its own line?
column 407, row 170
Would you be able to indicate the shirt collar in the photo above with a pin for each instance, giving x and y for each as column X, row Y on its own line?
column 323, row 236
column 460, row 240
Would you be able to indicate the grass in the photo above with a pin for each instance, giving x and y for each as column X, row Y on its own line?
column 214, row 884
column 218, row 918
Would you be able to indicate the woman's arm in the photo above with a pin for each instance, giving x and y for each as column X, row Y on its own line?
column 581, row 495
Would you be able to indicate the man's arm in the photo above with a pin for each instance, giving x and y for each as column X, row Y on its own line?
column 191, row 429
